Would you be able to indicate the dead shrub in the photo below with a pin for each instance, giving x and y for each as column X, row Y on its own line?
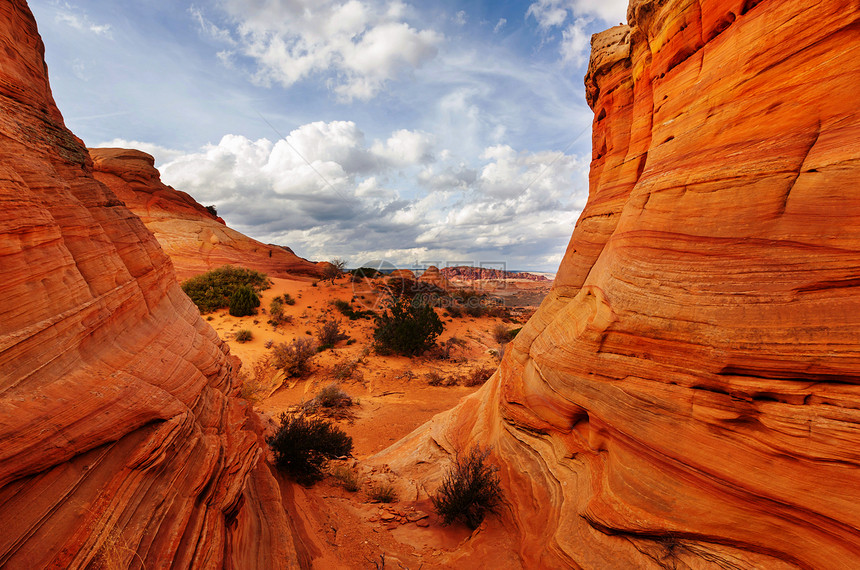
column 294, row 358
column 478, row 375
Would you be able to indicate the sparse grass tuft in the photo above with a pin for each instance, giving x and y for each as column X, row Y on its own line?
column 243, row 335
column 382, row 493
column 346, row 477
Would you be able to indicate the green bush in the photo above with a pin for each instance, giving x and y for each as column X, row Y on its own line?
column 470, row 490
column 276, row 311
column 302, row 445
column 293, row 358
column 407, row 328
column 244, row 302
column 213, row 290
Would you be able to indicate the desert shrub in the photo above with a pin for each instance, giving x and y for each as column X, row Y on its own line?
column 244, row 302
column 269, row 343
column 302, row 445
column 346, row 477
column 478, row 375
column 243, row 335
column 345, row 370
column 328, row 334
column 331, row 402
column 346, row 310
column 382, row 493
column 470, row 489
column 365, row 273
column 288, row 299
column 334, row 269
column 293, row 358
column 454, row 311
column 404, row 287
column 501, row 334
column 444, row 349
column 332, row 396
column 434, row 378
column 276, row 311
column 514, row 332
column 213, row 290
column 407, row 328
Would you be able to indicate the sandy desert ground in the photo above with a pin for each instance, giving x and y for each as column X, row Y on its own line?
column 393, row 397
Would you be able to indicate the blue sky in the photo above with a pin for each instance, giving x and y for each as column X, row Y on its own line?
column 433, row 132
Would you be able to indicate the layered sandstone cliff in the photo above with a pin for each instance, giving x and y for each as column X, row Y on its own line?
column 121, row 443
column 194, row 239
column 688, row 393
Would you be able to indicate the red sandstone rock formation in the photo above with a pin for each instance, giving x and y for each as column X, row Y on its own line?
column 120, row 439
column 195, row 240
column 402, row 274
column 467, row 273
column 688, row 393
column 432, row 276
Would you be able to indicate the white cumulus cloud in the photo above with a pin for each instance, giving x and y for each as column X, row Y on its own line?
column 357, row 46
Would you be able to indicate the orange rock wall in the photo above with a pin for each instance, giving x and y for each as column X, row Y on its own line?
column 120, row 440
column 194, row 239
column 687, row 396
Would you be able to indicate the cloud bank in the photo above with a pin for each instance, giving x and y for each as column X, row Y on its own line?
column 327, row 191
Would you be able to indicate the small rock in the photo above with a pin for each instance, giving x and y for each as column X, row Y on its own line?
column 387, row 516
column 416, row 516
column 423, row 523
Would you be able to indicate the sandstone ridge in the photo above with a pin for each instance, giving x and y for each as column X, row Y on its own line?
column 687, row 395
column 194, row 239
column 121, row 441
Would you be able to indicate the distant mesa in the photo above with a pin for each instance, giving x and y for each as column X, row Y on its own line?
column 467, row 273
column 195, row 240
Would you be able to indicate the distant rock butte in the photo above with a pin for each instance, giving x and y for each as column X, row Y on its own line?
column 402, row 274
column 467, row 273
column 195, row 240
column 687, row 395
column 433, row 276
column 120, row 440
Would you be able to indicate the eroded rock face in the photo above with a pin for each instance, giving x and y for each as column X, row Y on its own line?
column 120, row 440
column 688, row 393
column 433, row 276
column 194, row 239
